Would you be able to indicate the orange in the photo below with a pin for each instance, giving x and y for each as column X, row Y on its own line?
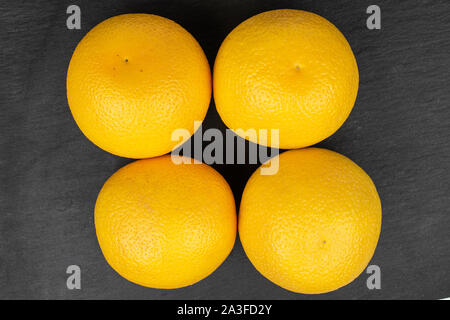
column 163, row 225
column 134, row 79
column 312, row 227
column 289, row 70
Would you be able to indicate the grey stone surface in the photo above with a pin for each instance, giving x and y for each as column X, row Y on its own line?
column 50, row 173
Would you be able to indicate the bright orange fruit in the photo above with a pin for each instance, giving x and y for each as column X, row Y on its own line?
column 163, row 225
column 134, row 79
column 290, row 70
column 312, row 227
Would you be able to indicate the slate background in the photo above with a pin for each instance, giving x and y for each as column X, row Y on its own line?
column 50, row 173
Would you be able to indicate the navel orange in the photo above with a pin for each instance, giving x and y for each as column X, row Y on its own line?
column 289, row 70
column 163, row 225
column 134, row 79
column 312, row 227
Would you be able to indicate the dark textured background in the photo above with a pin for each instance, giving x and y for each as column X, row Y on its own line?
column 51, row 174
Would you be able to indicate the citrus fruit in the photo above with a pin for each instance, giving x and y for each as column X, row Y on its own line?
column 163, row 225
column 134, row 79
column 289, row 70
column 312, row 227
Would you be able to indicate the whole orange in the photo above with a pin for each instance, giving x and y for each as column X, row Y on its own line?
column 163, row 225
column 134, row 79
column 312, row 227
column 289, row 70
